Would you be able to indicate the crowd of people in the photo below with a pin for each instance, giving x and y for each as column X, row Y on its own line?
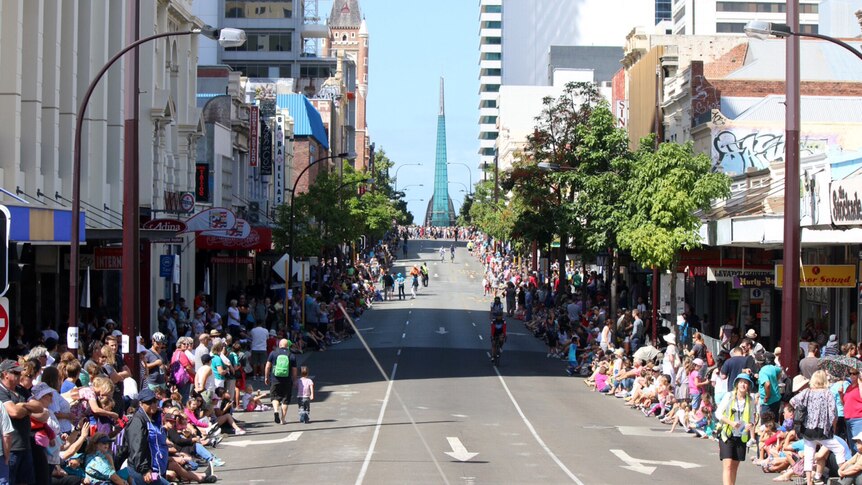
column 82, row 415
column 808, row 427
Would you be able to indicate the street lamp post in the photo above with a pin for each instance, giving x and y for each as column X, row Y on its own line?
column 470, row 170
column 131, row 240
column 399, row 169
column 466, row 189
column 411, row 185
column 290, row 254
column 792, row 247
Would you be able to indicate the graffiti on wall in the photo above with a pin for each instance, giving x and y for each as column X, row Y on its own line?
column 736, row 150
column 704, row 96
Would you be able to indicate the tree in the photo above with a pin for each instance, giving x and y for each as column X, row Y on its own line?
column 667, row 186
column 604, row 170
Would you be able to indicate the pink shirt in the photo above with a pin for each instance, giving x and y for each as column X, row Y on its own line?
column 852, row 402
column 693, row 378
column 601, row 381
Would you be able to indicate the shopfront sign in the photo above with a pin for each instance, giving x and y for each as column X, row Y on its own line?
column 202, row 182
column 232, row 260
column 173, row 225
column 821, row 276
column 214, row 219
column 179, row 202
column 107, row 259
column 278, row 161
column 754, row 281
column 259, row 239
column 726, row 275
column 253, row 115
column 845, row 203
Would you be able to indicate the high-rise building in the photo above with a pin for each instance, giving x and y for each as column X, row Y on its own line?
column 515, row 38
column 662, row 10
column 837, row 18
column 710, row 17
column 441, row 210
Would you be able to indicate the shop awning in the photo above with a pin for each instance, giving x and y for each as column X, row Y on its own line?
column 37, row 225
column 259, row 239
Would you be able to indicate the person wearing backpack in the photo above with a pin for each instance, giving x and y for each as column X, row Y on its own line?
column 281, row 372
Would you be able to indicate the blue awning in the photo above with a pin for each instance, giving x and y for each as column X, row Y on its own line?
column 306, row 118
column 38, row 225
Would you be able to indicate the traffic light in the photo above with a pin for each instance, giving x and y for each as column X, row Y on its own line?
column 253, row 216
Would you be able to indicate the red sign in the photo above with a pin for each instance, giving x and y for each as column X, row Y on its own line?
column 259, row 239
column 232, row 260
column 253, row 114
column 173, row 225
column 4, row 323
column 202, row 182
column 108, row 258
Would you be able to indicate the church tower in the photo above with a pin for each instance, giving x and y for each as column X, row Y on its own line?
column 348, row 40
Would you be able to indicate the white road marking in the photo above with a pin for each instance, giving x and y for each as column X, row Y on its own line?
column 474, row 324
column 638, row 465
column 244, row 443
column 648, row 432
column 404, row 335
column 408, row 322
column 399, row 352
column 371, row 446
column 488, row 354
column 533, row 431
column 442, row 331
column 480, row 337
column 459, row 416
column 459, row 451
column 409, row 312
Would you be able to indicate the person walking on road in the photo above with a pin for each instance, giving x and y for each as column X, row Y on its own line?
column 424, row 271
column 304, row 396
column 281, row 372
column 736, row 416
column 442, row 253
column 414, row 287
column 400, row 281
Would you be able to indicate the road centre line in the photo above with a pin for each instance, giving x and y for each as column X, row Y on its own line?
column 404, row 335
column 371, row 446
column 399, row 353
column 535, row 433
column 480, row 337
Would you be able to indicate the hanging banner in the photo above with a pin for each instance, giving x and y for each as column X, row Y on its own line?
column 240, row 230
column 260, row 239
column 844, row 201
column 821, row 276
column 278, row 160
column 726, row 275
column 202, row 182
column 215, row 219
column 253, row 116
column 265, row 147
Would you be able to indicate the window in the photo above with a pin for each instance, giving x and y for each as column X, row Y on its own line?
column 488, row 151
column 489, row 103
column 808, row 28
column 307, row 72
column 730, row 28
column 344, row 38
column 677, row 17
column 488, row 135
column 252, row 70
column 487, row 120
column 763, row 7
column 492, row 9
column 262, row 41
column 492, row 40
column 490, row 88
column 353, row 35
column 494, row 24
column 492, row 72
column 492, row 56
column 257, row 9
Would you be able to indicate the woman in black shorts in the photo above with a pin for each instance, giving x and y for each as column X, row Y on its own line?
column 736, row 412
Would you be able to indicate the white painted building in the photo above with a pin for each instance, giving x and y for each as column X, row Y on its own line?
column 515, row 37
column 838, row 18
column 50, row 50
column 710, row 17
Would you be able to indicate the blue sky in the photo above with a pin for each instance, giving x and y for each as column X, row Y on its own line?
column 411, row 45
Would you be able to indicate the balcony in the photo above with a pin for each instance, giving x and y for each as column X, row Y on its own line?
column 491, row 17
column 485, row 64
column 490, row 32
column 495, row 48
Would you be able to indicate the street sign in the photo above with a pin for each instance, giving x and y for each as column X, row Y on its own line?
column 4, row 323
column 166, row 265
column 5, row 220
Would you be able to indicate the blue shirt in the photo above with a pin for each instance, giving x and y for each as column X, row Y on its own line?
column 837, row 391
column 769, row 373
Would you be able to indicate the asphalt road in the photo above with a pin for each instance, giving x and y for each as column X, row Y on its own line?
column 447, row 416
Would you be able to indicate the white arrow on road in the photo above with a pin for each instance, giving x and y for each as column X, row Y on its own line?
column 242, row 444
column 639, row 465
column 459, row 451
column 442, row 331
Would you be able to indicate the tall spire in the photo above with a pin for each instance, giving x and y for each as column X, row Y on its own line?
column 442, row 103
column 345, row 13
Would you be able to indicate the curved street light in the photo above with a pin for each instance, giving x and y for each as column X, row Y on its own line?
column 792, row 122
column 470, row 170
column 290, row 254
column 465, row 189
column 227, row 37
column 399, row 169
column 411, row 185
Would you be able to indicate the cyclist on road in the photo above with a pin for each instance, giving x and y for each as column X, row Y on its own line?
column 498, row 328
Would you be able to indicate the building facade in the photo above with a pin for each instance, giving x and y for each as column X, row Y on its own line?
column 710, row 17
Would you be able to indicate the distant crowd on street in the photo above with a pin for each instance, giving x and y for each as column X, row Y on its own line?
column 807, row 426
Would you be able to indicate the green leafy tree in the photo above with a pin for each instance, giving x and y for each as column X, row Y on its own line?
column 667, row 186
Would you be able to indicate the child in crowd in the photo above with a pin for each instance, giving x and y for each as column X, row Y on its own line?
column 305, row 394
column 99, row 466
column 251, row 400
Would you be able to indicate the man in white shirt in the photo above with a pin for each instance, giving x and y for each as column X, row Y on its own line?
column 259, row 334
column 202, row 349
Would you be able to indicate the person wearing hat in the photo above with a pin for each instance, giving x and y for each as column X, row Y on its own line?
column 851, row 470
column 819, row 421
column 99, row 462
column 281, row 371
column 19, row 409
column 831, row 347
column 736, row 417
column 671, row 361
column 142, row 435
column 399, row 279
column 767, row 380
column 153, row 364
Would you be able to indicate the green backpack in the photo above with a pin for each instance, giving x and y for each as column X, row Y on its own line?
column 282, row 366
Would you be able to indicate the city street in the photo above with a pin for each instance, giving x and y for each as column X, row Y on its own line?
column 450, row 417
